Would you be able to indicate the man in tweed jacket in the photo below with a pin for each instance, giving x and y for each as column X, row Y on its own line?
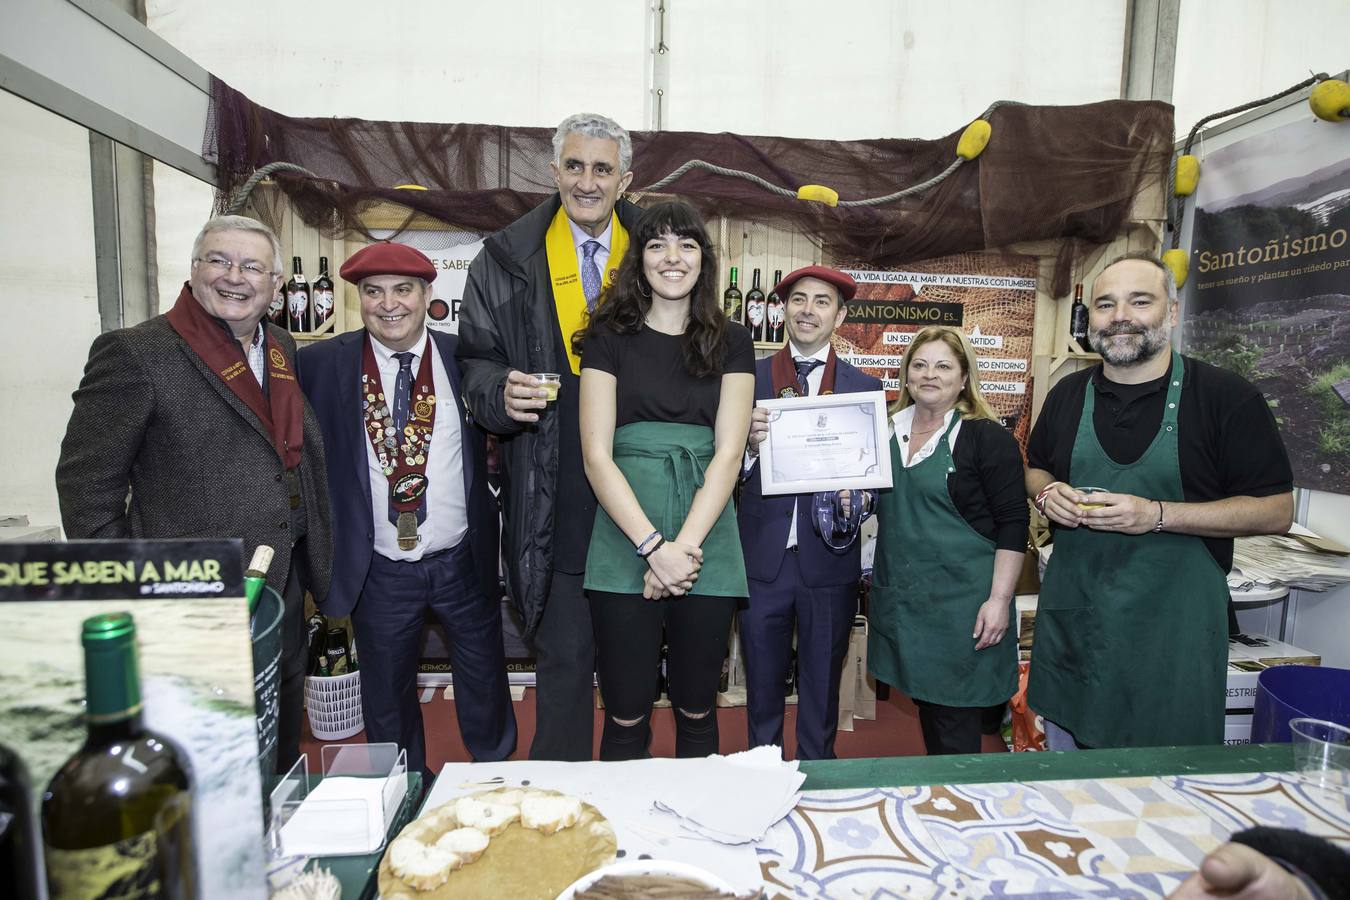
column 198, row 415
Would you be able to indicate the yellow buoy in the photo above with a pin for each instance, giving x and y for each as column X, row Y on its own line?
column 409, row 187
column 1188, row 174
column 1330, row 100
column 1177, row 261
column 974, row 139
column 819, row 193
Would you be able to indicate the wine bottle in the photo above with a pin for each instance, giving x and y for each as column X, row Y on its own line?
column 755, row 309
column 316, row 632
column 117, row 817
column 323, row 295
column 774, row 312
column 297, row 298
column 662, row 686
column 1078, row 320
column 20, row 853
column 335, row 650
column 276, row 310
column 731, row 299
column 255, row 577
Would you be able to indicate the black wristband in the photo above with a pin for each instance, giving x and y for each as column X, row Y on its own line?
column 653, row 548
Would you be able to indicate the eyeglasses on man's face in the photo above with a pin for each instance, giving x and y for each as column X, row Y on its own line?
column 220, row 266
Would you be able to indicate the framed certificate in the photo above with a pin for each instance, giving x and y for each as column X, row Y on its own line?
column 832, row 442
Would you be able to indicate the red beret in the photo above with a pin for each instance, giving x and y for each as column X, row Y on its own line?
column 385, row 258
column 846, row 285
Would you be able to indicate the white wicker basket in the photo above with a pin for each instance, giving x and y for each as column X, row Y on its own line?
column 334, row 706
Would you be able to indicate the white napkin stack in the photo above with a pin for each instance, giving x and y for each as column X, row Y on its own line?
column 731, row 799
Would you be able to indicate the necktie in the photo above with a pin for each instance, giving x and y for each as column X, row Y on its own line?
column 590, row 273
column 804, row 368
column 402, row 391
column 402, row 402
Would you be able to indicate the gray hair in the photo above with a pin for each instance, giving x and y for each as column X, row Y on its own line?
column 1169, row 280
column 593, row 125
column 239, row 223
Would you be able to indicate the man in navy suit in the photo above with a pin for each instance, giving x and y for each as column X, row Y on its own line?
column 415, row 528
column 796, row 578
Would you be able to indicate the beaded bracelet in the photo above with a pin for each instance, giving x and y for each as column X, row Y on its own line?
column 637, row 551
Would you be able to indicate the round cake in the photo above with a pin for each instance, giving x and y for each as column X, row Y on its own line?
column 521, row 843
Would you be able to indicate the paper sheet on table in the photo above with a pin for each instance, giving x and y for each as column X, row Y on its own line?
column 623, row 792
column 697, row 791
column 341, row 816
column 1276, row 560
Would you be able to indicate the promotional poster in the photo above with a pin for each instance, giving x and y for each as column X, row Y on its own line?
column 991, row 297
column 196, row 676
column 1266, row 296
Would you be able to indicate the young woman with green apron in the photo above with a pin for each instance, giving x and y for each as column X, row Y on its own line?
column 942, row 590
column 1131, row 630
column 666, row 391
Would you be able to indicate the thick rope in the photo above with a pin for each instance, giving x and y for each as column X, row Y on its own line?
column 790, row 193
column 1178, row 204
column 241, row 196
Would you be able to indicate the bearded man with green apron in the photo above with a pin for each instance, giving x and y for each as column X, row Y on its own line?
column 1131, row 624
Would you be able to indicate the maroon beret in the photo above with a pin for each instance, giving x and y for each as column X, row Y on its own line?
column 846, row 285
column 385, row 258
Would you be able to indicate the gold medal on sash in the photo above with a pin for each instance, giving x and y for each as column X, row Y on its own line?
column 408, row 490
column 407, row 531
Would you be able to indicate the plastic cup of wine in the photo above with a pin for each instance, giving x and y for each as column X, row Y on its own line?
column 550, row 382
column 1322, row 754
column 1088, row 492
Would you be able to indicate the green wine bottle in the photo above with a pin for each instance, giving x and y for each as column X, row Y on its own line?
column 20, row 856
column 731, row 300
column 117, row 817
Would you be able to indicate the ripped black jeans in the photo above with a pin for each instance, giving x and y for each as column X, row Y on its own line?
column 628, row 632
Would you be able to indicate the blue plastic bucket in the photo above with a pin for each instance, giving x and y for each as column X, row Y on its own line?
column 1291, row 692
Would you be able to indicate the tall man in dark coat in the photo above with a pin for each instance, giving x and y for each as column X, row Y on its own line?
column 415, row 528
column 527, row 292
column 796, row 578
column 198, row 412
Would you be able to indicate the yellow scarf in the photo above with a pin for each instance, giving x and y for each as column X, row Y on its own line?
column 566, row 272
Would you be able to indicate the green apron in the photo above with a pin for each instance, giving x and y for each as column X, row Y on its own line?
column 933, row 572
column 663, row 463
column 1131, row 630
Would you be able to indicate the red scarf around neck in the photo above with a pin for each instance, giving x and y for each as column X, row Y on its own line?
column 783, row 370
column 283, row 416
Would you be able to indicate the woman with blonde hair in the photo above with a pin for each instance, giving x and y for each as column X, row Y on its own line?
column 950, row 540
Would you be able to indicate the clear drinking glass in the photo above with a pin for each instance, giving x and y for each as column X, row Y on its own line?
column 1088, row 491
column 551, row 382
column 1322, row 753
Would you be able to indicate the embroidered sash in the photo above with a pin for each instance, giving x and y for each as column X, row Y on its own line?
column 402, row 456
column 566, row 274
column 281, row 411
column 783, row 371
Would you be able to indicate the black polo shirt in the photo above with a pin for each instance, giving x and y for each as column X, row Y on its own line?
column 1228, row 442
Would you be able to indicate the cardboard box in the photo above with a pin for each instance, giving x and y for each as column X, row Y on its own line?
column 1025, row 607
column 1255, row 652
column 1237, row 729
column 1248, row 656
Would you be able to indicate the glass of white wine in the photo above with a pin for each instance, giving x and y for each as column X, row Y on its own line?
column 550, row 382
column 1088, row 492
